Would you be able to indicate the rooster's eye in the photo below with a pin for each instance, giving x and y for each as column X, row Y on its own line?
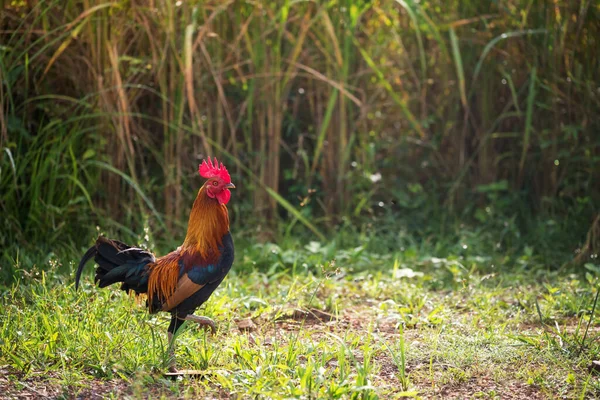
column 215, row 183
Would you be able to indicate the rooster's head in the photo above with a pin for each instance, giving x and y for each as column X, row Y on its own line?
column 219, row 181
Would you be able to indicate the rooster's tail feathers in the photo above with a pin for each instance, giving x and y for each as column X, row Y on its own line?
column 117, row 262
column 91, row 252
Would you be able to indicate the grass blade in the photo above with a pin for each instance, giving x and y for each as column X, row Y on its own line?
column 528, row 121
column 388, row 87
column 297, row 214
column 323, row 131
column 488, row 47
column 459, row 67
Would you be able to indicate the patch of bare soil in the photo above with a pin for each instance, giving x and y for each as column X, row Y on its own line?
column 477, row 387
column 14, row 386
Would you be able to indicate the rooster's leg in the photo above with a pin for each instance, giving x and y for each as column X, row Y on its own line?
column 202, row 321
column 172, row 363
column 176, row 323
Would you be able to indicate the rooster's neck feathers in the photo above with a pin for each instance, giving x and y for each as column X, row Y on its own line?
column 209, row 222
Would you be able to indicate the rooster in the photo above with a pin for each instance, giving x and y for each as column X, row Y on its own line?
column 184, row 279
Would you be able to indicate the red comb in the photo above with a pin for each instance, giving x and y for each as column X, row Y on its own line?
column 210, row 170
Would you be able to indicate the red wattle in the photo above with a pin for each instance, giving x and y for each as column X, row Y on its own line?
column 224, row 196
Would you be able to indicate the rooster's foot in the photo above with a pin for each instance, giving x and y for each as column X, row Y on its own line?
column 173, row 367
column 202, row 321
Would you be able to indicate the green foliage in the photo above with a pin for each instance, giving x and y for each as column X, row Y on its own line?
column 480, row 111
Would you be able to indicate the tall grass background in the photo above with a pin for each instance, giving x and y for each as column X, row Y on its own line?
column 328, row 114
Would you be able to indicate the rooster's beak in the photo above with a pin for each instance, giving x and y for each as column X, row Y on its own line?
column 230, row 186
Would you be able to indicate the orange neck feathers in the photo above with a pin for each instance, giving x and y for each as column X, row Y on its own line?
column 209, row 222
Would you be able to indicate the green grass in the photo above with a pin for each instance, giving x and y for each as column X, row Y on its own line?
column 406, row 326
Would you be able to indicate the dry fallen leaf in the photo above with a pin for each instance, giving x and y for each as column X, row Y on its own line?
column 245, row 325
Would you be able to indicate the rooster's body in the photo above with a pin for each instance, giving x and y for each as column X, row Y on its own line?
column 184, row 279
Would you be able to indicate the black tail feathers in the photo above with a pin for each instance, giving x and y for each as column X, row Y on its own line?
column 117, row 262
column 89, row 254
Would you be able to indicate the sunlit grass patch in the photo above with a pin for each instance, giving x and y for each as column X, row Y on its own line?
column 326, row 333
